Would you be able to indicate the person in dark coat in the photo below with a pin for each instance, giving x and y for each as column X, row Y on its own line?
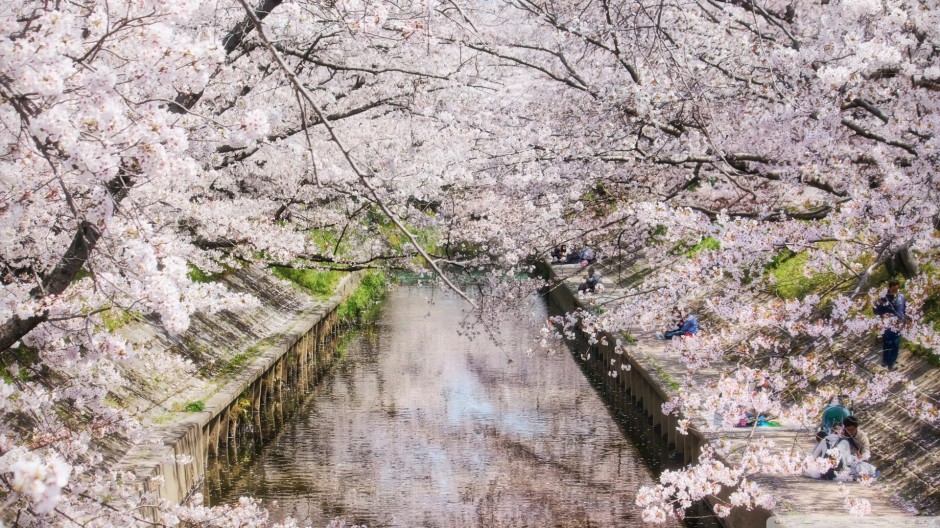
column 892, row 308
column 591, row 282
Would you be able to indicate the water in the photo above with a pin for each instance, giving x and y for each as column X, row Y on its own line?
column 419, row 426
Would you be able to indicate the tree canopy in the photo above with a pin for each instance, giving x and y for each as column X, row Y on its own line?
column 144, row 138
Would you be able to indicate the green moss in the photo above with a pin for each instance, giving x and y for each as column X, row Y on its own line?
column 195, row 406
column 654, row 238
column 197, row 275
column 790, row 281
column 706, row 244
column 627, row 338
column 363, row 304
column 927, row 354
column 24, row 357
column 670, row 382
column 235, row 363
column 242, row 405
column 116, row 318
column 317, row 282
column 325, row 240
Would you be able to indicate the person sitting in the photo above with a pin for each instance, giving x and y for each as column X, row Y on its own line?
column 591, row 283
column 573, row 258
column 587, row 256
column 763, row 391
column 852, row 449
column 832, row 416
column 559, row 252
column 688, row 328
column 851, row 430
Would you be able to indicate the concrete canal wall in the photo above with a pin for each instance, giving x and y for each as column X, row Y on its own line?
column 641, row 386
column 245, row 365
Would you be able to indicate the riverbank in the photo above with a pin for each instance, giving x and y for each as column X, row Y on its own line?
column 656, row 375
column 228, row 367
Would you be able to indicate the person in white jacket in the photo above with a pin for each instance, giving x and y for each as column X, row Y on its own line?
column 847, row 451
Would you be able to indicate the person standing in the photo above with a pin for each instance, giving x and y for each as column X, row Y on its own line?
column 892, row 307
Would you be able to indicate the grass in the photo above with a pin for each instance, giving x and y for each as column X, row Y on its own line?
column 790, row 280
column 658, row 231
column 196, row 274
column 930, row 311
column 670, row 382
column 325, row 240
column 706, row 244
column 116, row 318
column 236, row 362
column 363, row 304
column 225, row 367
column 627, row 338
column 24, row 357
column 316, row 282
column 927, row 354
column 428, row 237
column 342, row 348
column 162, row 418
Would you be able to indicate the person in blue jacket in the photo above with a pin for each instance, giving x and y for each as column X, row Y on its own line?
column 892, row 307
column 590, row 283
column 587, row 256
column 689, row 327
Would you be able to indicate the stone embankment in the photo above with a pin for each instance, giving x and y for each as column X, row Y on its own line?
column 219, row 376
column 905, row 452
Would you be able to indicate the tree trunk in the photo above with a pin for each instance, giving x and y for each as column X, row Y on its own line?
column 905, row 262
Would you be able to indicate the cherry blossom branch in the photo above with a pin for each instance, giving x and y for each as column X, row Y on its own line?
column 305, row 57
column 858, row 129
column 231, row 41
column 363, row 178
column 486, row 49
column 243, row 153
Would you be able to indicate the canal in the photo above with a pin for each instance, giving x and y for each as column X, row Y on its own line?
column 419, row 425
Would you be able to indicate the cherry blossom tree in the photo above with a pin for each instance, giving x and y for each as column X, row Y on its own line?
column 771, row 128
column 143, row 138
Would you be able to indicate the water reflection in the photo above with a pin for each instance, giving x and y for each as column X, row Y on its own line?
column 419, row 426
